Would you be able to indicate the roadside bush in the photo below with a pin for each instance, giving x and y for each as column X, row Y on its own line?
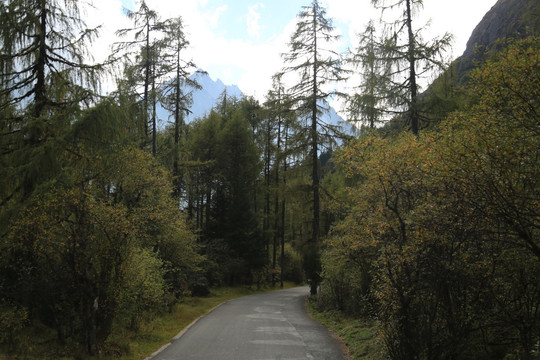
column 345, row 285
column 12, row 320
column 142, row 291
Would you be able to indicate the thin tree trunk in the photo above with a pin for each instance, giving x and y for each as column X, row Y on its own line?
column 266, row 222
column 276, row 202
column 207, row 218
column 314, row 146
column 282, row 229
column 39, row 89
column 146, row 84
column 413, row 111
column 177, row 125
column 315, row 167
column 154, row 126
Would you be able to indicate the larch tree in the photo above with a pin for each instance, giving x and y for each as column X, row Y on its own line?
column 365, row 106
column 44, row 41
column 317, row 66
column 276, row 104
column 410, row 57
column 46, row 77
column 176, row 99
column 145, row 23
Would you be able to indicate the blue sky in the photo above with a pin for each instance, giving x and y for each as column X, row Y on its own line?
column 240, row 41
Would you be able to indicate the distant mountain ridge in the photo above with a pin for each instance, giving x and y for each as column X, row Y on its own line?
column 206, row 98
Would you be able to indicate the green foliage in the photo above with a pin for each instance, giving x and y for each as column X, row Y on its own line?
column 436, row 236
column 408, row 59
column 221, row 186
column 144, row 287
column 293, row 267
column 103, row 223
column 366, row 106
column 44, row 45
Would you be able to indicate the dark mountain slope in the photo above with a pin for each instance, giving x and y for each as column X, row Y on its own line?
column 506, row 19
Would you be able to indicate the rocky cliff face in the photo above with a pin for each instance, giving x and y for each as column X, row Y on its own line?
column 506, row 19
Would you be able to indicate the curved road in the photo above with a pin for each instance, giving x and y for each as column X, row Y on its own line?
column 268, row 326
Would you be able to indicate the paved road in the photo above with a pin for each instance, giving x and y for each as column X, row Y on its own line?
column 261, row 327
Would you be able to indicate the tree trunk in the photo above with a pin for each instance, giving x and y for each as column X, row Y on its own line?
column 315, row 160
column 91, row 328
column 154, row 127
column 39, row 89
column 276, row 203
column 177, row 125
column 413, row 107
column 146, row 85
column 282, row 229
column 266, row 220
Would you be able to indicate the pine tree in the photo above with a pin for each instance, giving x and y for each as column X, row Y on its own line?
column 281, row 115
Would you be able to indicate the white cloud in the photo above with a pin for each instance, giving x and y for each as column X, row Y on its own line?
column 251, row 64
column 213, row 16
column 252, row 20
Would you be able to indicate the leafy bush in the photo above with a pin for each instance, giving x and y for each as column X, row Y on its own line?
column 12, row 320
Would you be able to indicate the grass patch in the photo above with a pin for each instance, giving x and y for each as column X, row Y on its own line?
column 360, row 336
column 127, row 344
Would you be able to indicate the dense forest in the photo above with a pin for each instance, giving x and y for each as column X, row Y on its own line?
column 427, row 219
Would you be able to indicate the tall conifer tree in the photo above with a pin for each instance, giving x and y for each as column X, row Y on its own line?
column 176, row 99
column 317, row 65
column 365, row 107
column 44, row 41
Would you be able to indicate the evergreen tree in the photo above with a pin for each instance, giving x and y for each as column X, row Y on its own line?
column 44, row 82
column 237, row 161
column 280, row 115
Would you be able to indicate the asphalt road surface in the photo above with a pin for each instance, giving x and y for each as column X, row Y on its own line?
column 260, row 327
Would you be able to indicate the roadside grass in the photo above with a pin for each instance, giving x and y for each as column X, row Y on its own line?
column 39, row 343
column 360, row 336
